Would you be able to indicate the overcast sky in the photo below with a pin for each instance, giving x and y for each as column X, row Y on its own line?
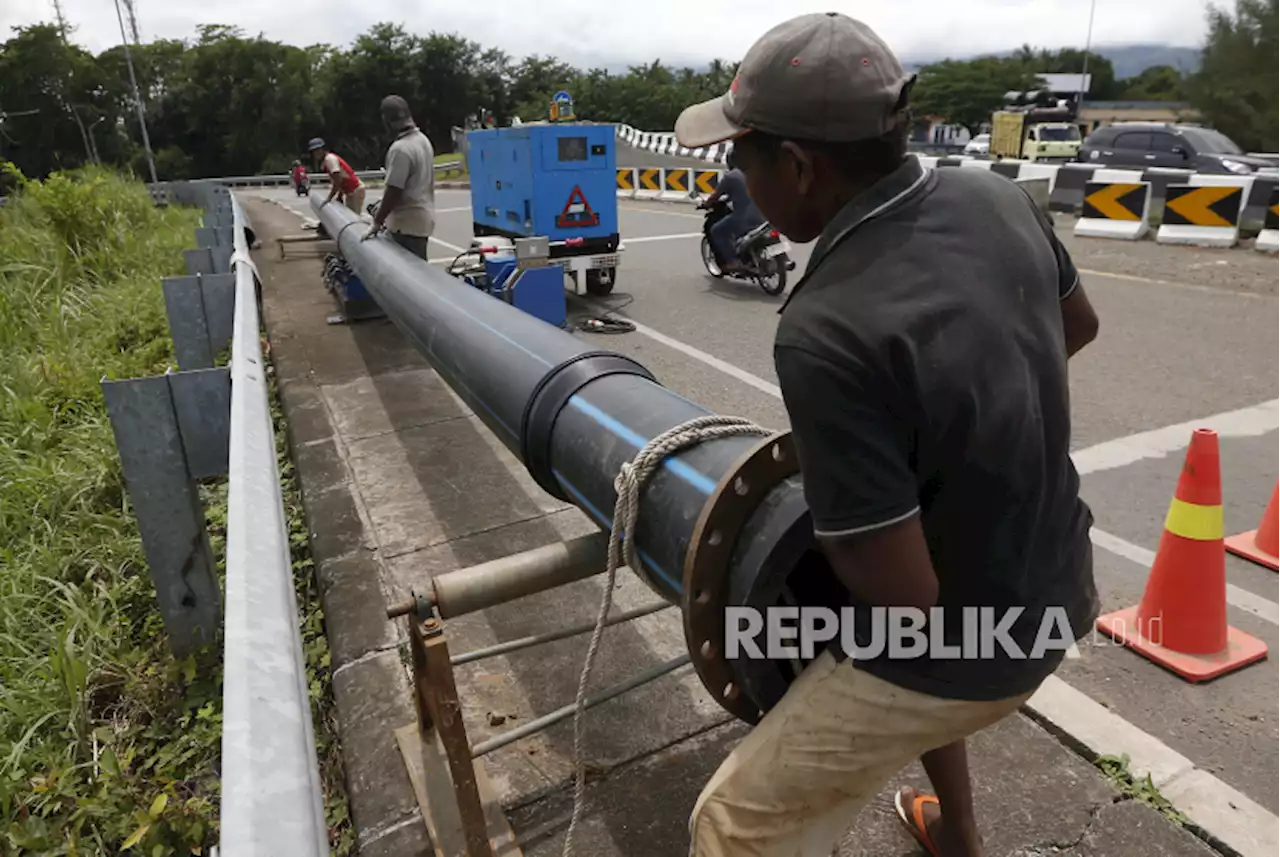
column 591, row 32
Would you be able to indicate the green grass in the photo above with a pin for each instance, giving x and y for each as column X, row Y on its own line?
column 108, row 744
column 452, row 158
column 1116, row 769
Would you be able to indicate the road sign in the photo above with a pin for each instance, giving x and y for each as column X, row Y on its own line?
column 577, row 211
column 1108, row 201
column 626, row 179
column 706, row 181
column 1272, row 214
column 1202, row 206
column 649, row 179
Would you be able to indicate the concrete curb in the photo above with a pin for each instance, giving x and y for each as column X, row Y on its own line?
column 1219, row 814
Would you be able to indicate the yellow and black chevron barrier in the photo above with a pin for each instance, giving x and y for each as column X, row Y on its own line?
column 676, row 181
column 1114, row 210
column 626, row 179
column 648, row 179
column 1204, row 215
column 706, row 181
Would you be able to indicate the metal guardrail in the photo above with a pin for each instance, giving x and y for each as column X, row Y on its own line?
column 444, row 169
column 271, row 791
column 204, row 421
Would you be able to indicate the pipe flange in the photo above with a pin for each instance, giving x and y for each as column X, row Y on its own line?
column 705, row 593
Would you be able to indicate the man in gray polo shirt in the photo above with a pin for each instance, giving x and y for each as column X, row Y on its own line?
column 408, row 206
column 922, row 358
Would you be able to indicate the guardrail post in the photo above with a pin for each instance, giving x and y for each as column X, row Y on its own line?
column 201, row 310
column 171, row 431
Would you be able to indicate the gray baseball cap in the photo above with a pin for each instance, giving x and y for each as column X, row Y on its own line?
column 822, row 77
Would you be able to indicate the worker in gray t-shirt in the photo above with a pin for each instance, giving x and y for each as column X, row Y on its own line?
column 408, row 206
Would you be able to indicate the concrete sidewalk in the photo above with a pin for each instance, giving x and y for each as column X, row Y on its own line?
column 401, row 482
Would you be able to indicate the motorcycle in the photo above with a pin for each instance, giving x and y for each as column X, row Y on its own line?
column 764, row 254
column 301, row 184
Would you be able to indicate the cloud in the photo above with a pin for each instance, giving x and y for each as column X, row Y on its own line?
column 675, row 31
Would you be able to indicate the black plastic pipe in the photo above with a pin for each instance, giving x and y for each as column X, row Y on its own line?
column 572, row 414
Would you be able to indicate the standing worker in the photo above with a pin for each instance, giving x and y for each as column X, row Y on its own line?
column 342, row 179
column 922, row 359
column 408, row 206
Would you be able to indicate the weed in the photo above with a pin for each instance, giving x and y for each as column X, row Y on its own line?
column 1116, row 769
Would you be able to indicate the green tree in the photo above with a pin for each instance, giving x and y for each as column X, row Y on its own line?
column 41, row 72
column 966, row 93
column 1157, row 83
column 1235, row 88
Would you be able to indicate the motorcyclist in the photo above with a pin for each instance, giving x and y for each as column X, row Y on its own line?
column 745, row 217
column 299, row 174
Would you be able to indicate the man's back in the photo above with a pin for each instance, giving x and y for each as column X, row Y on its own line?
column 943, row 308
column 410, row 167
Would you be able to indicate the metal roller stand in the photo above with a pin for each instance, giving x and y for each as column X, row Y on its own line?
column 722, row 523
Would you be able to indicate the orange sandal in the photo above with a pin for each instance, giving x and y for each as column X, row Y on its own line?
column 914, row 821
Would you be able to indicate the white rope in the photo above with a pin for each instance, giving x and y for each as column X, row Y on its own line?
column 622, row 551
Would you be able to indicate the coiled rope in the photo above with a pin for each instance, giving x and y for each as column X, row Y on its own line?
column 622, row 551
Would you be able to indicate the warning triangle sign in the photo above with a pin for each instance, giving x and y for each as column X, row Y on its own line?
column 577, row 212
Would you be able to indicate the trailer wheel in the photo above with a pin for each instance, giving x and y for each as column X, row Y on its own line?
column 600, row 283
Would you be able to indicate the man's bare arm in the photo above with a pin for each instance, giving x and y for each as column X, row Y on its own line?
column 335, row 185
column 391, row 197
column 1079, row 321
column 887, row 567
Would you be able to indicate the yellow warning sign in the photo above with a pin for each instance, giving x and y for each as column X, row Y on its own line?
column 1272, row 220
column 1185, row 205
column 1119, row 201
column 706, row 180
column 678, row 180
column 626, row 180
column 649, row 179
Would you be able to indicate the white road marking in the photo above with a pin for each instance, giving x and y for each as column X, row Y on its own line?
column 1162, row 442
column 626, row 241
column 714, row 362
column 445, row 244
column 451, row 210
column 1193, row 287
column 656, row 210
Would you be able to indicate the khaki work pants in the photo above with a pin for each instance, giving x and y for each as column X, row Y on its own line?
column 355, row 200
column 795, row 783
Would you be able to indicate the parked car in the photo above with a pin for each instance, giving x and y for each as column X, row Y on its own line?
column 1138, row 145
column 979, row 145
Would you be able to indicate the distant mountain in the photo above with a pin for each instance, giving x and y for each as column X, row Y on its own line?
column 1131, row 60
column 1128, row 60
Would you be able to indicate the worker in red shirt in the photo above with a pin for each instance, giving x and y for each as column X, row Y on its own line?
column 342, row 179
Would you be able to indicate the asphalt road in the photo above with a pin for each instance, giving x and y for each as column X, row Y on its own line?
column 1182, row 346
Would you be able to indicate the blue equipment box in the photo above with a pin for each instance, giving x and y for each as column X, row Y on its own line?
column 557, row 180
column 536, row 291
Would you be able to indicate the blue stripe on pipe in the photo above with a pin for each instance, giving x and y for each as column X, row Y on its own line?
column 675, row 583
column 678, row 468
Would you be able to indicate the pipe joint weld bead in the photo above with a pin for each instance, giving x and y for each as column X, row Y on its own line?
column 553, row 392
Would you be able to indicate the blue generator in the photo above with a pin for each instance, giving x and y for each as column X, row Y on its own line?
column 555, row 180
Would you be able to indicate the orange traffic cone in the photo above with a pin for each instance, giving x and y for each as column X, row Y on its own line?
column 1263, row 544
column 1181, row 622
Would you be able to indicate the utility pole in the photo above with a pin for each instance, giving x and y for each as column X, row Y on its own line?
column 133, row 80
column 1088, row 42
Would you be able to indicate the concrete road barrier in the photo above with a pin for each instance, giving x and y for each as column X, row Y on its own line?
column 1204, row 213
column 1269, row 238
column 1114, row 209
